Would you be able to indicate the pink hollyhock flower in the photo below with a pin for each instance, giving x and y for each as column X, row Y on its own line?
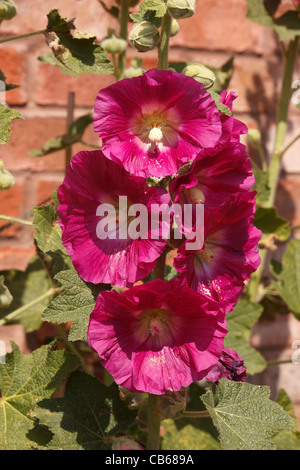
column 230, row 366
column 229, row 255
column 213, row 178
column 156, row 338
column 91, row 181
column 154, row 123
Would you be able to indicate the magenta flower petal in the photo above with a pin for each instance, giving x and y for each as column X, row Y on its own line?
column 154, row 123
column 213, row 178
column 93, row 180
column 229, row 255
column 230, row 366
column 154, row 338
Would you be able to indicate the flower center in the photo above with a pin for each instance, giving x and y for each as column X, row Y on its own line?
column 155, row 134
column 154, row 326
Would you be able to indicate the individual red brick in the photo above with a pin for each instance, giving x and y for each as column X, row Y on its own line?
column 11, row 204
column 288, row 199
column 13, row 257
column 46, row 187
column 15, row 333
column 29, row 134
column 13, row 65
column 277, row 334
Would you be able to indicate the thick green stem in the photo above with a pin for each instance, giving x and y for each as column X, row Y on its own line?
column 15, row 220
column 153, row 434
column 282, row 118
column 123, row 35
column 275, row 163
column 163, row 48
column 13, row 315
column 13, row 38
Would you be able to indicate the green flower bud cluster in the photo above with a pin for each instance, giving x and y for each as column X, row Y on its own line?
column 7, row 10
column 144, row 36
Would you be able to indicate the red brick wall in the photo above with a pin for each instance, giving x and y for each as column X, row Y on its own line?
column 218, row 31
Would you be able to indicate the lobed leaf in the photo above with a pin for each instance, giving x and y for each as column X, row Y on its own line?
column 245, row 416
column 75, row 304
column 6, row 116
column 76, row 50
column 24, row 381
column 288, row 275
column 87, row 417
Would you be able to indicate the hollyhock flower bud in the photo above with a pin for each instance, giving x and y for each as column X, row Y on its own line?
column 8, row 10
column 5, row 296
column 175, row 28
column 230, row 366
column 125, row 443
column 180, row 9
column 200, row 73
column 155, row 123
column 254, row 137
column 6, row 178
column 114, row 45
column 135, row 69
column 97, row 208
column 144, row 36
column 155, row 337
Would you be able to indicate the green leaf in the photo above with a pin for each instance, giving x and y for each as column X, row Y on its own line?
column 76, row 50
column 187, row 438
column 26, row 287
column 272, row 225
column 47, row 231
column 286, row 27
column 191, row 433
column 87, row 417
column 287, row 440
column 152, row 11
column 245, row 416
column 75, row 304
column 262, row 186
column 49, row 59
column 239, row 324
column 6, row 116
column 288, row 273
column 24, row 381
column 221, row 107
column 8, row 86
column 223, row 75
column 61, row 142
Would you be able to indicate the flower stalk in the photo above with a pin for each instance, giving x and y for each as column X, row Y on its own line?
column 163, row 48
column 123, row 35
column 278, row 152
